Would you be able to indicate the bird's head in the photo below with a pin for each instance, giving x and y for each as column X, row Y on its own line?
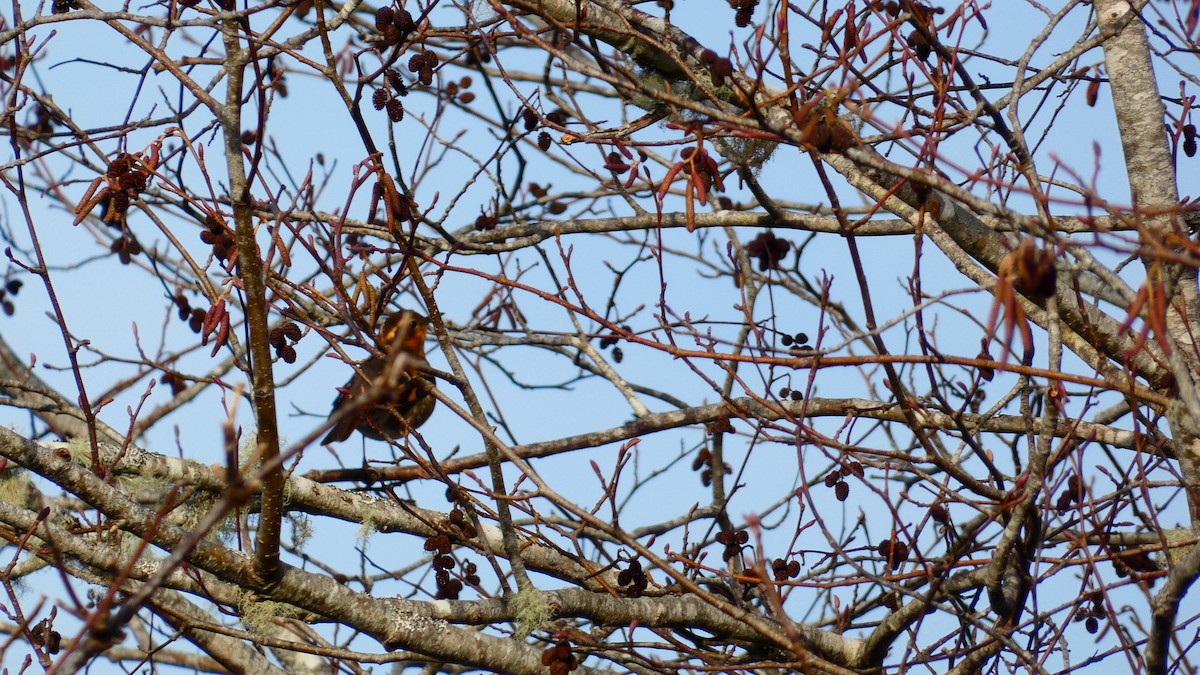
column 406, row 330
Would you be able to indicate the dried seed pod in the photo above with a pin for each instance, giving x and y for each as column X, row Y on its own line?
column 920, row 46
column 402, row 19
column 383, row 18
column 291, row 331
column 396, row 80
column 768, row 249
column 477, row 54
column 615, row 163
column 391, row 36
column 379, row 98
column 176, row 384
column 841, row 490
column 395, row 110
column 530, row 118
column 939, row 513
column 543, row 141
column 184, row 306
column 45, row 637
column 125, row 246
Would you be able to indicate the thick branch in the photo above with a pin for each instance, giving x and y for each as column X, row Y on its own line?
column 253, row 284
column 751, row 409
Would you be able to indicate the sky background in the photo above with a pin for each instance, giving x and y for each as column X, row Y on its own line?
column 112, row 305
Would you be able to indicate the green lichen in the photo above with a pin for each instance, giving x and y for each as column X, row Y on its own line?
column 365, row 531
column 531, row 610
column 748, row 152
column 259, row 616
column 197, row 506
column 302, row 530
column 143, row 486
column 1176, row 549
column 248, row 454
column 652, row 83
column 80, row 450
column 15, row 486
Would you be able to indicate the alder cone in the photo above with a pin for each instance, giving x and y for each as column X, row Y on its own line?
column 383, row 18
column 395, row 110
column 402, row 19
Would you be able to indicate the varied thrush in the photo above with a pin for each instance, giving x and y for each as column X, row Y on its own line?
column 407, row 403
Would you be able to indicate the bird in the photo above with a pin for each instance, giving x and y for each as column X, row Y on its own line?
column 407, row 404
